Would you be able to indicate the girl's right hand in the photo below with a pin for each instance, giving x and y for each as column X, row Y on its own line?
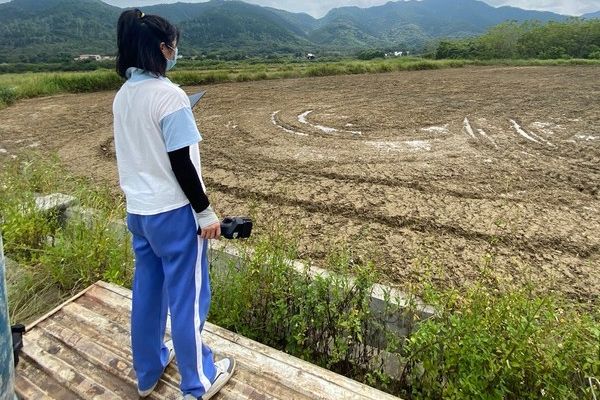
column 211, row 232
column 209, row 226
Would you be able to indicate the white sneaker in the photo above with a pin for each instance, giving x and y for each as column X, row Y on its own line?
column 168, row 345
column 225, row 369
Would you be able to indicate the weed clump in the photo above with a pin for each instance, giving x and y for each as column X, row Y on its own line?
column 54, row 260
column 8, row 95
column 512, row 346
column 478, row 344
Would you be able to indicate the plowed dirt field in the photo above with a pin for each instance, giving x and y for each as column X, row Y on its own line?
column 463, row 175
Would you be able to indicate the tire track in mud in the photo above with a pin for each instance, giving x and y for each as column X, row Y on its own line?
column 227, row 162
column 423, row 225
column 394, row 206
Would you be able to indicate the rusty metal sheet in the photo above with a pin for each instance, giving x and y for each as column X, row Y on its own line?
column 81, row 350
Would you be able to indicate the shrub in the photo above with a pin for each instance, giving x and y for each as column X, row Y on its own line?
column 324, row 70
column 512, row 346
column 370, row 54
column 55, row 260
column 8, row 95
column 323, row 319
column 480, row 344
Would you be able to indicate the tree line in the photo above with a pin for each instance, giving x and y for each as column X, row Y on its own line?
column 576, row 38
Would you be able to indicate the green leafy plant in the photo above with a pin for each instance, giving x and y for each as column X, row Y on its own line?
column 482, row 343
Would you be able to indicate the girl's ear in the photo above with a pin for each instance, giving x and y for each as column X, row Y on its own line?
column 164, row 50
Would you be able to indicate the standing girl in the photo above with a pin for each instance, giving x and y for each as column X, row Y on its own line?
column 168, row 212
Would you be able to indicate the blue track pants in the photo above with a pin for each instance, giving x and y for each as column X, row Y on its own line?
column 171, row 272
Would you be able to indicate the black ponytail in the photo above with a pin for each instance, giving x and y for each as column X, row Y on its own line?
column 138, row 40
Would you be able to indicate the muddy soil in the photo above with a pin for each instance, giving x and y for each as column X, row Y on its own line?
column 456, row 176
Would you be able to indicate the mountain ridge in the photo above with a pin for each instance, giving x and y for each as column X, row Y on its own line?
column 34, row 30
column 592, row 15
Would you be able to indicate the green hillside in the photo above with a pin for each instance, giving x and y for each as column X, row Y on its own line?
column 52, row 30
column 415, row 22
column 57, row 30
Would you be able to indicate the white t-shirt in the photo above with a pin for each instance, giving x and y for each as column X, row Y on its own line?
column 152, row 116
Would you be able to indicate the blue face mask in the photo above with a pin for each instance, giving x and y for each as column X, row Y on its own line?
column 171, row 63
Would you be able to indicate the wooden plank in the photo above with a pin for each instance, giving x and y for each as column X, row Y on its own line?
column 102, row 357
column 64, row 373
column 316, row 380
column 255, row 383
column 94, row 372
column 85, row 346
column 120, row 298
column 114, row 288
column 262, row 387
column 58, row 308
column 110, row 333
column 28, row 390
column 306, row 367
column 99, row 329
column 29, row 370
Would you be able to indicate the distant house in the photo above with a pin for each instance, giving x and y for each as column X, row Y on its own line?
column 396, row 54
column 310, row 56
column 94, row 57
column 85, row 57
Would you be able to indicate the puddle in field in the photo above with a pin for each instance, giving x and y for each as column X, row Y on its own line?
column 274, row 121
column 419, row 145
column 438, row 130
column 302, row 119
column 587, row 138
column 410, row 145
column 545, row 127
column 326, row 129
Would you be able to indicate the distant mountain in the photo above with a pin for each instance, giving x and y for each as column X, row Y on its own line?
column 36, row 30
column 233, row 25
column 412, row 21
column 305, row 22
column 592, row 15
column 42, row 30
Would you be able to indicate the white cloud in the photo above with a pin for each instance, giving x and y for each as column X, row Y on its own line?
column 569, row 7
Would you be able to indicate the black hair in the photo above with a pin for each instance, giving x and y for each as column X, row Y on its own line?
column 138, row 39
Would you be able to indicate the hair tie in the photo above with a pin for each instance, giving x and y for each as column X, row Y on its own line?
column 142, row 15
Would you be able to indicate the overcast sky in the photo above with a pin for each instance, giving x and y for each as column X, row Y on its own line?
column 318, row 8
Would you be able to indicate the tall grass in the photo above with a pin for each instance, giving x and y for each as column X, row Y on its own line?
column 19, row 86
column 480, row 344
column 53, row 260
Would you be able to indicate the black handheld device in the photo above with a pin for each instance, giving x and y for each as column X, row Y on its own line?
column 236, row 227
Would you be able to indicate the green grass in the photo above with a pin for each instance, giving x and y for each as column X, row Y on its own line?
column 27, row 85
column 53, row 261
column 480, row 344
column 22, row 86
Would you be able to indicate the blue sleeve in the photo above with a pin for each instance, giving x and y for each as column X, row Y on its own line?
column 179, row 129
